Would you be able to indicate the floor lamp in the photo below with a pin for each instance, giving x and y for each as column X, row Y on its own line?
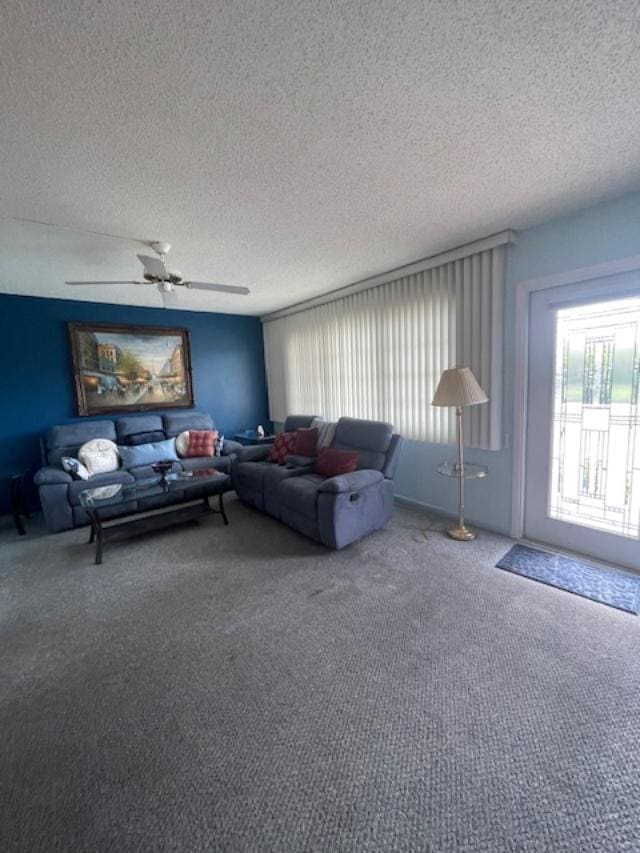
column 459, row 387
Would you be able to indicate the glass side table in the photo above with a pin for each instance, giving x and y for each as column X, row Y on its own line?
column 250, row 437
column 462, row 473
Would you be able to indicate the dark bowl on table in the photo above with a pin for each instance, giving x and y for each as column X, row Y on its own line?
column 162, row 468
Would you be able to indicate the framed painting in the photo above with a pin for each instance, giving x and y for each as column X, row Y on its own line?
column 130, row 368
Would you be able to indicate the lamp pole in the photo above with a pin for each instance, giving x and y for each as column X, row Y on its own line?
column 460, row 532
column 460, row 466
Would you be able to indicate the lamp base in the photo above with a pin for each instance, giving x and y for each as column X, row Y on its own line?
column 462, row 534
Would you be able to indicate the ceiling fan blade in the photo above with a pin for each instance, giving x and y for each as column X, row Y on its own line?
column 106, row 282
column 153, row 266
column 170, row 298
column 222, row 288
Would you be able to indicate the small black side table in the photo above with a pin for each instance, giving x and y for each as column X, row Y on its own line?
column 18, row 510
column 251, row 437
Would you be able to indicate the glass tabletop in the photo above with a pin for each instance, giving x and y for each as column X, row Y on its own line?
column 471, row 472
column 118, row 493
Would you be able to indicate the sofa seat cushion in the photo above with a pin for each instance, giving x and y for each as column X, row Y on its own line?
column 107, row 479
column 251, row 474
column 247, row 479
column 196, row 463
column 301, row 493
column 273, row 476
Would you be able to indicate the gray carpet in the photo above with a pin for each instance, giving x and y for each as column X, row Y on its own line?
column 242, row 689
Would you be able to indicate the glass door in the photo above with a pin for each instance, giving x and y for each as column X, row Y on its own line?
column 583, row 429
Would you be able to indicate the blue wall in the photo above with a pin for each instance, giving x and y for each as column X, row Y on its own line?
column 597, row 234
column 36, row 374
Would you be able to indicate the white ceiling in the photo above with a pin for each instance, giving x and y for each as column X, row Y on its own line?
column 294, row 147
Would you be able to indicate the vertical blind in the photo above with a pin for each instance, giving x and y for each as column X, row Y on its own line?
column 379, row 353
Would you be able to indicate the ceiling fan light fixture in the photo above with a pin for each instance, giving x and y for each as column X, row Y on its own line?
column 160, row 248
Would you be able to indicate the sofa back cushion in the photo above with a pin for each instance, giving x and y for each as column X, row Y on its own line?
column 294, row 422
column 176, row 422
column 67, row 439
column 370, row 438
column 139, row 429
column 146, row 437
column 147, row 454
column 332, row 462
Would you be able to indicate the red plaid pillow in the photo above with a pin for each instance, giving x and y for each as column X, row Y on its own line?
column 202, row 442
column 282, row 447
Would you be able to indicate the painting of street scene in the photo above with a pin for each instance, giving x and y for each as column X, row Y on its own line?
column 135, row 368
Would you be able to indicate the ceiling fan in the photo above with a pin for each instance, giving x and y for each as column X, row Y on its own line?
column 156, row 272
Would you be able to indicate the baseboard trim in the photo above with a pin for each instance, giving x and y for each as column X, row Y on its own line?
column 425, row 507
column 412, row 502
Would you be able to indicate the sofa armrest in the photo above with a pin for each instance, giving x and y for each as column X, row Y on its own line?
column 229, row 447
column 46, row 476
column 351, row 482
column 253, row 453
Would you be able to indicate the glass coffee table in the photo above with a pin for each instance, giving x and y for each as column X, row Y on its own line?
column 188, row 494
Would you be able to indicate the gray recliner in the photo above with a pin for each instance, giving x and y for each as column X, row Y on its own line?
column 332, row 510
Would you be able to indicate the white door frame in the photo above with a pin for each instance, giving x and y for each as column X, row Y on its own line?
column 524, row 289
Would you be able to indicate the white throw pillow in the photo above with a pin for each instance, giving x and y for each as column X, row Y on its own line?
column 182, row 443
column 326, row 431
column 100, row 456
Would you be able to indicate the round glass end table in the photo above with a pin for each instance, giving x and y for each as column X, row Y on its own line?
column 471, row 472
column 461, row 473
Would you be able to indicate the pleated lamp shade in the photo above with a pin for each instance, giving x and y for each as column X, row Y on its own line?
column 458, row 387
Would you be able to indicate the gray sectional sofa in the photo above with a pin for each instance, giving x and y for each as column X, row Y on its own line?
column 332, row 510
column 60, row 493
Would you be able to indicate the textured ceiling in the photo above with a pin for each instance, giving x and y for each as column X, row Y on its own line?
column 294, row 147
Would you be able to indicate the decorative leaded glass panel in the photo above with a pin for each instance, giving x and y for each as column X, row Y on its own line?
column 595, row 475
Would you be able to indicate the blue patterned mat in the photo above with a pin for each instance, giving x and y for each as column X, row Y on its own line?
column 604, row 585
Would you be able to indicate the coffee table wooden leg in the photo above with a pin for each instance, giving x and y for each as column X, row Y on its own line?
column 221, row 509
column 96, row 534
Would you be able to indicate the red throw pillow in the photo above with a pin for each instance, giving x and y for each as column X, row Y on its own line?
column 331, row 463
column 282, row 447
column 202, row 442
column 306, row 443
